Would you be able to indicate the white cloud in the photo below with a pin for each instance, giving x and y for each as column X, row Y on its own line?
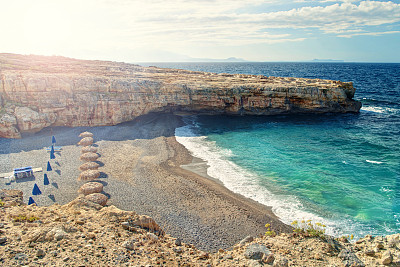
column 56, row 26
column 367, row 34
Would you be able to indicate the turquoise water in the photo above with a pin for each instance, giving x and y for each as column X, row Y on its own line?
column 340, row 169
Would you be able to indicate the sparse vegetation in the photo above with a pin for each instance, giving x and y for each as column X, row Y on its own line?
column 269, row 232
column 308, row 228
column 24, row 218
column 1, row 203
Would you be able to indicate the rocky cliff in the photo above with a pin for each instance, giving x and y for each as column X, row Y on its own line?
column 38, row 92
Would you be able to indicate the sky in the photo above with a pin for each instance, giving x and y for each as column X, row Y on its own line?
column 187, row 30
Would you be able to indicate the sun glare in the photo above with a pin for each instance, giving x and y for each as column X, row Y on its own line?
column 46, row 26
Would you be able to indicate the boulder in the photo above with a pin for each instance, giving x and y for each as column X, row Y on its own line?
column 89, row 175
column 89, row 166
column 86, row 134
column 350, row 259
column 89, row 156
column 90, row 188
column 29, row 120
column 256, row 251
column 87, row 149
column 387, row 258
column 87, row 141
column 8, row 125
column 97, row 198
column 144, row 221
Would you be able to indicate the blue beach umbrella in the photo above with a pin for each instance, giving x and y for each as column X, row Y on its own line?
column 46, row 179
column 49, row 166
column 36, row 190
column 52, row 156
column 31, row 201
column 53, row 140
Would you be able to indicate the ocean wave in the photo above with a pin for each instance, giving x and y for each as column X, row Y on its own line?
column 373, row 161
column 239, row 180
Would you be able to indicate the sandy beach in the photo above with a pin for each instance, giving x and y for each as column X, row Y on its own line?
column 141, row 170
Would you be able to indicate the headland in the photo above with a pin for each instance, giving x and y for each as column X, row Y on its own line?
column 38, row 92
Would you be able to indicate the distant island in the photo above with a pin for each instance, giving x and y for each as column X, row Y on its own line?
column 327, row 60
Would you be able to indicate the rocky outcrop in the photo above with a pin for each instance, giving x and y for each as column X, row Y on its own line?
column 37, row 92
column 83, row 233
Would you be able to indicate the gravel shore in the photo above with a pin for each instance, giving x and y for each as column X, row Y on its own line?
column 141, row 171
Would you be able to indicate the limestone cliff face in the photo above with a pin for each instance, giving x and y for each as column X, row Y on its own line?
column 38, row 92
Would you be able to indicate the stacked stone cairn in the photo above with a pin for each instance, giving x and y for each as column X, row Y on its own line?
column 91, row 190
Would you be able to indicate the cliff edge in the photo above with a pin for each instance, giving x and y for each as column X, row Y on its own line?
column 38, row 91
column 83, row 233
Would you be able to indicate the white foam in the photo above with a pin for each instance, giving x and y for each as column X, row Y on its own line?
column 239, row 180
column 379, row 109
column 373, row 109
column 373, row 161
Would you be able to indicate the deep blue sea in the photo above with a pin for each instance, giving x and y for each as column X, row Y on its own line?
column 339, row 169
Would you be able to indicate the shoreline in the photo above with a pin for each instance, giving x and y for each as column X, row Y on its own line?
column 146, row 170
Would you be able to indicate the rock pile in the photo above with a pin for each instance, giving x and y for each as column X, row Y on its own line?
column 90, row 172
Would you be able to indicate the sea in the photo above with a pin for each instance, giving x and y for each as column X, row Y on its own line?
column 341, row 170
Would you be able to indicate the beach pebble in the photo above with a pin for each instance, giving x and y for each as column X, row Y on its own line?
column 253, row 263
column 349, row 258
column 178, row 242
column 125, row 225
column 97, row 198
column 245, row 240
column 380, row 245
column 369, row 252
column 144, row 221
column 256, row 251
column 129, row 244
column 387, row 258
column 90, row 188
column 40, row 253
column 3, row 240
column 152, row 237
column 281, row 262
column 21, row 257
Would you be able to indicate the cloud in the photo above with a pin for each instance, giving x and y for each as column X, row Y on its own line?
column 189, row 25
column 221, row 22
column 367, row 34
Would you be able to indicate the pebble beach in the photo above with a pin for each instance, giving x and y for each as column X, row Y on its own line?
column 141, row 171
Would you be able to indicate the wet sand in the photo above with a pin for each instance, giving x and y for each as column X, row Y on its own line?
column 141, row 170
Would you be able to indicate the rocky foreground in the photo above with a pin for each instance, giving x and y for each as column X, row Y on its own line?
column 38, row 92
column 83, row 233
